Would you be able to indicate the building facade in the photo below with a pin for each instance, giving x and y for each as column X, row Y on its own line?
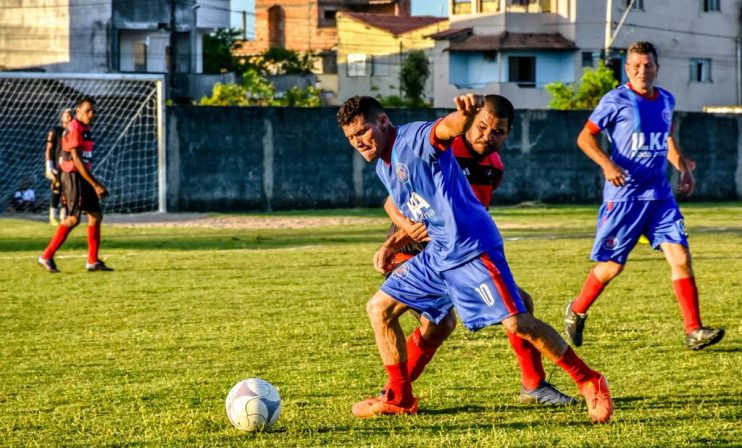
column 516, row 47
column 109, row 36
column 372, row 47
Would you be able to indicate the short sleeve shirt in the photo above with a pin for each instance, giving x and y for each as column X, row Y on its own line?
column 427, row 185
column 77, row 135
column 638, row 128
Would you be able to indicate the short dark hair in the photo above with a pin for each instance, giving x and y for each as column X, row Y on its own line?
column 359, row 105
column 643, row 47
column 83, row 100
column 500, row 107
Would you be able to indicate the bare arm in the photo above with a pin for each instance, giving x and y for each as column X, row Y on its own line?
column 678, row 160
column 49, row 168
column 415, row 230
column 456, row 123
column 100, row 190
column 588, row 143
column 385, row 254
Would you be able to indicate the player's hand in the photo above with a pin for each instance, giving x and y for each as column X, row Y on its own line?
column 615, row 174
column 101, row 191
column 417, row 231
column 687, row 184
column 383, row 259
column 469, row 104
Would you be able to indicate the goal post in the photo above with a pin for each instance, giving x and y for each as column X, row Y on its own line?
column 128, row 132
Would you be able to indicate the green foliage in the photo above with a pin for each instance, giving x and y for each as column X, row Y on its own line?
column 393, row 101
column 145, row 355
column 282, row 61
column 584, row 95
column 259, row 90
column 413, row 75
column 306, row 97
column 217, row 51
column 226, row 95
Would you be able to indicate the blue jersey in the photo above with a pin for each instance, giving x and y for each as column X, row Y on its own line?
column 637, row 127
column 427, row 185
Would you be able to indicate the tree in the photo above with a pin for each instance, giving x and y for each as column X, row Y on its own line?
column 226, row 95
column 415, row 72
column 218, row 57
column 584, row 95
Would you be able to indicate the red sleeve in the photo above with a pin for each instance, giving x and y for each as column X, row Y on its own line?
column 441, row 145
column 72, row 137
column 593, row 128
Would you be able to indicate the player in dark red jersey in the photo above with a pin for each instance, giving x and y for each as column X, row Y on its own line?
column 477, row 152
column 52, row 154
column 81, row 190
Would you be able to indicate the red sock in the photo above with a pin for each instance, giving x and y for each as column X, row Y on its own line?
column 57, row 240
column 419, row 354
column 687, row 294
column 529, row 358
column 93, row 243
column 575, row 367
column 399, row 387
column 590, row 292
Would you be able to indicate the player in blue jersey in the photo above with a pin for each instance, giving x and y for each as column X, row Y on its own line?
column 463, row 266
column 477, row 152
column 637, row 198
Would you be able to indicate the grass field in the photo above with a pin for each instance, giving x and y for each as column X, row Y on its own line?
column 145, row 355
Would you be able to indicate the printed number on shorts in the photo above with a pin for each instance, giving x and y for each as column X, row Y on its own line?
column 484, row 292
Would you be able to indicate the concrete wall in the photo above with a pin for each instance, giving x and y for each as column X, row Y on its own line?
column 239, row 159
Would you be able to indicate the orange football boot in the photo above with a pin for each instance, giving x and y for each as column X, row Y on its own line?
column 378, row 406
column 598, row 398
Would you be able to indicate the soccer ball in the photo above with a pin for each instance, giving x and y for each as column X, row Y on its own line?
column 253, row 405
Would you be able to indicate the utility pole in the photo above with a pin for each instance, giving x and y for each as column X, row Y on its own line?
column 173, row 51
column 607, row 40
column 244, row 25
column 401, row 61
column 194, row 49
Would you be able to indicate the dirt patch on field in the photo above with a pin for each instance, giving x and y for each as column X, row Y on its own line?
column 236, row 222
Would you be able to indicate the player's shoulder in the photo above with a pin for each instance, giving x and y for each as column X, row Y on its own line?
column 665, row 94
column 494, row 160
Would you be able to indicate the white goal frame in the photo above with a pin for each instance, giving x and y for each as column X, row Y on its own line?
column 159, row 81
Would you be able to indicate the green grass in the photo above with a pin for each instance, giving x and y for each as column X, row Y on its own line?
column 145, row 355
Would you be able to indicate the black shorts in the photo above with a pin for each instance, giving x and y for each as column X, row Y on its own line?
column 79, row 195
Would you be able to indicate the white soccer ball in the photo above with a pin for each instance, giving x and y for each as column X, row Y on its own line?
column 253, row 405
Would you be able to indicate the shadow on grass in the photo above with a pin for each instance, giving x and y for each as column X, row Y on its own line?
column 242, row 240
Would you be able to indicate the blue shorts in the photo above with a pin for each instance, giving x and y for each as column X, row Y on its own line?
column 621, row 224
column 482, row 290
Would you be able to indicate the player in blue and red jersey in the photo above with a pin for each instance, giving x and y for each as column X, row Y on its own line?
column 463, row 265
column 637, row 198
column 477, row 153
column 80, row 189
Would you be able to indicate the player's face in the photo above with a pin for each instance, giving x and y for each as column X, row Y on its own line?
column 85, row 113
column 488, row 133
column 369, row 138
column 66, row 118
column 641, row 69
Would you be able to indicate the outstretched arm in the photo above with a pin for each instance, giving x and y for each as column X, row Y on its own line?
column 456, row 123
column 679, row 161
column 588, row 143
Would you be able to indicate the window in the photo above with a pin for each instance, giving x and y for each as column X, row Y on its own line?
column 489, row 6
column 462, row 6
column 522, row 70
column 638, row 5
column 140, row 57
column 329, row 62
column 379, row 66
column 700, row 70
column 490, row 56
column 356, row 64
column 711, row 5
column 587, row 59
column 327, row 18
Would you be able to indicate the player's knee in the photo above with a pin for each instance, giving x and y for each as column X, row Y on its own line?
column 379, row 310
column 71, row 221
column 521, row 324
column 607, row 271
column 445, row 327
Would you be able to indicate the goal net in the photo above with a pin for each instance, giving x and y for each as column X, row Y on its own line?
column 128, row 134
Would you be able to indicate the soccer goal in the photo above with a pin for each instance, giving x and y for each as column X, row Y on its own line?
column 128, row 132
